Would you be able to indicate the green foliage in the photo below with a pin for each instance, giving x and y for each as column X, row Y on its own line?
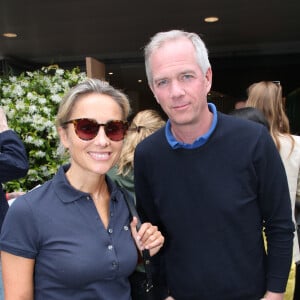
column 30, row 101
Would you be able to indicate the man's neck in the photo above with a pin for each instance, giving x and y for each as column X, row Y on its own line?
column 189, row 133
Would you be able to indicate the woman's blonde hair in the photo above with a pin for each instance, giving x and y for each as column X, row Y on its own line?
column 143, row 124
column 89, row 86
column 267, row 97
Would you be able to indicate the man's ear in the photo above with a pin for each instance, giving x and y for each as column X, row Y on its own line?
column 151, row 88
column 208, row 77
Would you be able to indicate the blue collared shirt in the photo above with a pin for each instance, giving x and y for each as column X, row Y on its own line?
column 201, row 140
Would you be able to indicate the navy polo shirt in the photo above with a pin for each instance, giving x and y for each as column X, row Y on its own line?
column 76, row 257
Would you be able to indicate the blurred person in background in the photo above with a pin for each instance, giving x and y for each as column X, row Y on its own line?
column 267, row 97
column 142, row 125
column 252, row 114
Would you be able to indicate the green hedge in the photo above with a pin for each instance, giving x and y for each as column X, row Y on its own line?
column 30, row 101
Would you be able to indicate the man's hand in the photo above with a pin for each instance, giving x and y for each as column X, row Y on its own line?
column 3, row 121
column 273, row 296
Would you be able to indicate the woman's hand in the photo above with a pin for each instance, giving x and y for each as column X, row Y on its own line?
column 148, row 237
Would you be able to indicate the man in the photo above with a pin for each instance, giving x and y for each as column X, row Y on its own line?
column 211, row 182
column 13, row 165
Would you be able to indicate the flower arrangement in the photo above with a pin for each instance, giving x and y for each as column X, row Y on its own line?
column 30, row 102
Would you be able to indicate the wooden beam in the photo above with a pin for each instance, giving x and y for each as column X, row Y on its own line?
column 95, row 68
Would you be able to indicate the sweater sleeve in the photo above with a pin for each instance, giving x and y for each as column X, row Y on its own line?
column 13, row 157
column 144, row 199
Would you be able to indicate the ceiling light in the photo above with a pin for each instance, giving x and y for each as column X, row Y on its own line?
column 211, row 19
column 9, row 34
column 140, row 80
column 110, row 73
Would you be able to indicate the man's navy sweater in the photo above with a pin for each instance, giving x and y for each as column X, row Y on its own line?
column 212, row 204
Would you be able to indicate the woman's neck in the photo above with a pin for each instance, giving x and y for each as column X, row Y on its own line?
column 92, row 183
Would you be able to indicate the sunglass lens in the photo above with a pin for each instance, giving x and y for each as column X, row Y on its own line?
column 115, row 130
column 86, row 129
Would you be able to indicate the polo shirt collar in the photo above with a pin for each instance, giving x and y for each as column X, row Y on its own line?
column 67, row 194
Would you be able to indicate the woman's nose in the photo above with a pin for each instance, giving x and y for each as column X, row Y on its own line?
column 101, row 138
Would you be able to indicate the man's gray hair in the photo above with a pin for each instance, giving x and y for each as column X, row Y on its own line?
column 160, row 38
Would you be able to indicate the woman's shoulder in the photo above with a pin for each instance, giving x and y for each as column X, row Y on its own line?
column 297, row 139
column 289, row 147
column 289, row 139
column 297, row 144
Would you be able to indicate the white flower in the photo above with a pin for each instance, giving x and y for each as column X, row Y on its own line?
column 60, row 72
column 42, row 100
column 46, row 111
column 20, row 104
column 50, row 124
column 18, row 91
column 13, row 78
column 32, row 172
column 38, row 142
column 56, row 98
column 30, row 96
column 28, row 139
column 40, row 154
column 56, row 88
column 32, row 109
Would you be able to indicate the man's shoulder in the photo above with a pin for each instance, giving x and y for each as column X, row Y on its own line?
column 240, row 125
column 155, row 138
column 240, row 133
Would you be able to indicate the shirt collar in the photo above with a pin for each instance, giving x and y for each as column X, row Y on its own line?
column 201, row 140
column 67, row 193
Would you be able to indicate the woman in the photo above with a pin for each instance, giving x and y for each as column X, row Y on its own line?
column 267, row 97
column 143, row 124
column 70, row 238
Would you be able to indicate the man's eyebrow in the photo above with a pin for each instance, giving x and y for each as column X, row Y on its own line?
column 187, row 71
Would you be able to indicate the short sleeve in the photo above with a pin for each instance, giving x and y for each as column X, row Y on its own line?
column 19, row 233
